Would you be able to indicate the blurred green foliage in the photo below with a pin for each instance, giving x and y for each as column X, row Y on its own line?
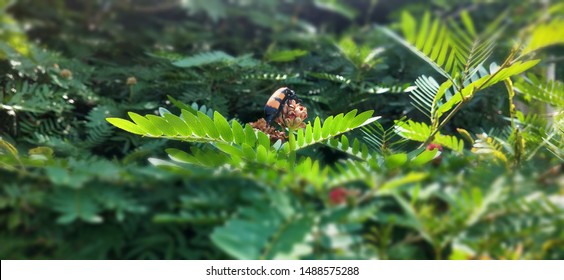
column 387, row 84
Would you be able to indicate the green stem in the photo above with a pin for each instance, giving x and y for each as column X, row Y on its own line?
column 444, row 122
column 511, row 94
column 130, row 93
column 438, row 252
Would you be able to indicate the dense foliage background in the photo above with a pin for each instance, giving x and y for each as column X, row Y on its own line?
column 455, row 149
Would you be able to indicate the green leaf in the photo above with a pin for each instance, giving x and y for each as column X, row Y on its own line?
column 327, row 125
column 181, row 105
column 332, row 127
column 344, row 142
column 429, row 96
column 223, row 127
column 229, row 149
column 145, row 124
column 468, row 23
column 420, row 132
column 545, row 35
column 238, row 132
column 337, row 123
column 336, row 6
column 285, row 55
column 395, row 161
column 37, row 153
column 263, row 139
column 308, row 134
column 292, row 141
column 194, row 123
column 347, row 120
column 262, row 154
column 76, row 205
column 408, row 26
column 411, row 177
column 551, row 92
column 126, row 125
column 498, row 76
column 452, row 50
column 208, row 125
column 413, row 130
column 181, row 156
column 355, row 146
column 449, row 141
column 361, row 119
column 249, row 152
column 178, row 124
column 281, row 235
column 11, row 149
column 424, row 157
column 250, row 135
column 71, row 178
column 162, row 124
column 300, row 138
column 317, row 129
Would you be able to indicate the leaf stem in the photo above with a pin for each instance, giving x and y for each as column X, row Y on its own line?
column 444, row 122
column 511, row 94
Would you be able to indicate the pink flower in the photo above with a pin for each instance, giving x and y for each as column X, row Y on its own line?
column 292, row 116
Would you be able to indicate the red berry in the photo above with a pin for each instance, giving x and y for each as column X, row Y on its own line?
column 434, row 146
column 338, row 195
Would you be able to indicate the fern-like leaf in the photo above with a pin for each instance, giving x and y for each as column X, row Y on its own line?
column 331, row 127
column 429, row 96
column 450, row 49
column 551, row 92
column 484, row 79
column 420, row 132
column 351, row 171
column 488, row 145
column 380, row 139
column 355, row 149
column 281, row 234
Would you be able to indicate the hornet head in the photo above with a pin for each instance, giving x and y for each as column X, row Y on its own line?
column 291, row 94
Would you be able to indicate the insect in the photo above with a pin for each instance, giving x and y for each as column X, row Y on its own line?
column 276, row 102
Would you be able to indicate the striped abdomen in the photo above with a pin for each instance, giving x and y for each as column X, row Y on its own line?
column 274, row 104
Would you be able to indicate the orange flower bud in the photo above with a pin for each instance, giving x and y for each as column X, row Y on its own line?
column 131, row 81
column 274, row 134
column 66, row 73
